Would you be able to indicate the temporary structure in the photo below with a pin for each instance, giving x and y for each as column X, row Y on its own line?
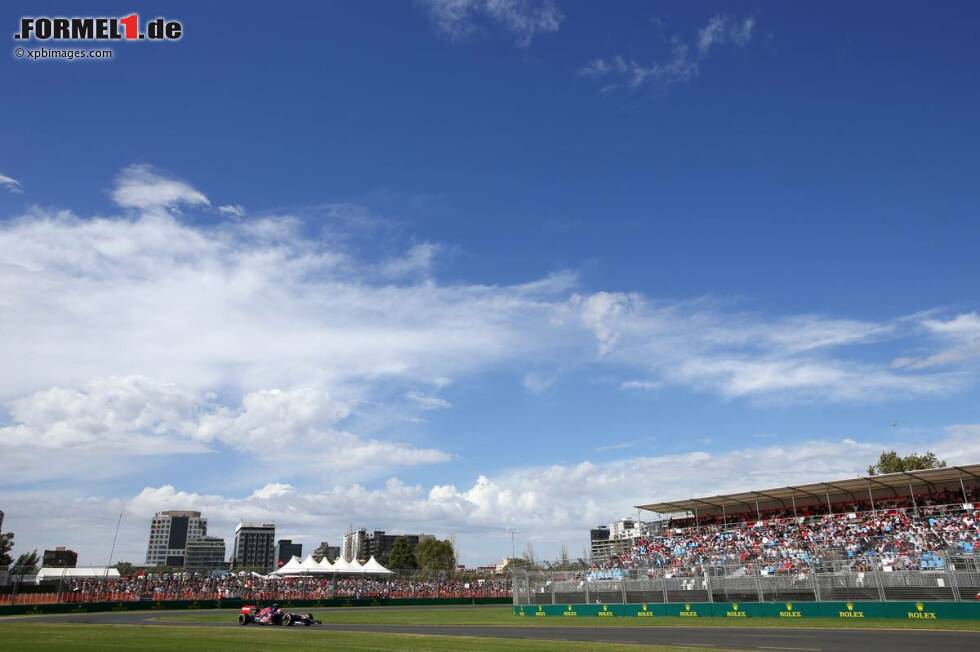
column 76, row 573
column 291, row 567
column 310, row 567
column 372, row 567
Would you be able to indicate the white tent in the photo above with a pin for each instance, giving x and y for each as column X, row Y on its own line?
column 372, row 567
column 326, row 566
column 310, row 566
column 73, row 573
column 341, row 565
column 355, row 567
column 291, row 567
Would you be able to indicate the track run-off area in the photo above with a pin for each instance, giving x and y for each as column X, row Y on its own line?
column 410, row 627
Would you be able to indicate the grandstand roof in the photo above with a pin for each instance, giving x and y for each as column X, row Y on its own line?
column 855, row 487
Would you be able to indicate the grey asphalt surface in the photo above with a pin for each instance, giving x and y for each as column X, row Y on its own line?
column 795, row 639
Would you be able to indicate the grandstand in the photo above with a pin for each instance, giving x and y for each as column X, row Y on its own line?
column 901, row 536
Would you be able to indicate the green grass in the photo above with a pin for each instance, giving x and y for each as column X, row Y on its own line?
column 36, row 637
column 493, row 615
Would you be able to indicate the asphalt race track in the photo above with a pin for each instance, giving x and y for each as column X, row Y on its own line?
column 795, row 639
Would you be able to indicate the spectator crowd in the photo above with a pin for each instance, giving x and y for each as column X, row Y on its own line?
column 890, row 536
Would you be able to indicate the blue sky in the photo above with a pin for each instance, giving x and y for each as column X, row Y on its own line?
column 521, row 264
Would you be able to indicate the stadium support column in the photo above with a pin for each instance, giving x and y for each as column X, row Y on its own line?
column 830, row 508
column 794, row 505
column 963, row 489
column 872, row 497
column 915, row 507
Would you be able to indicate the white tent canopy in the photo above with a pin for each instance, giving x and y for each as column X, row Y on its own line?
column 341, row 565
column 291, row 567
column 326, row 566
column 310, row 567
column 372, row 567
column 75, row 573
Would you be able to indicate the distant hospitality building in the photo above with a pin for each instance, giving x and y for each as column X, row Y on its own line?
column 60, row 557
column 613, row 539
column 286, row 550
column 255, row 546
column 205, row 554
column 169, row 534
column 363, row 545
column 326, row 550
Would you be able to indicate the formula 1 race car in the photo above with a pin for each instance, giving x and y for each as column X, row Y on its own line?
column 274, row 616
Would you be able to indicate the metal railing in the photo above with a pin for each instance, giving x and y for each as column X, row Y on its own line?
column 956, row 578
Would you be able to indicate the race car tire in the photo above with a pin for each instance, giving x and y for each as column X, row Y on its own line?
column 244, row 620
column 287, row 620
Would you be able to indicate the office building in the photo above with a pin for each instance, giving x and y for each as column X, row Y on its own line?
column 169, row 534
column 286, row 550
column 255, row 547
column 362, row 545
column 205, row 554
column 60, row 557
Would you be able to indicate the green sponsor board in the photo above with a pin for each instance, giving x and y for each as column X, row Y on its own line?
column 918, row 611
column 738, row 610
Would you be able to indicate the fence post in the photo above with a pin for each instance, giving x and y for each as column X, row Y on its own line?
column 707, row 584
column 875, row 574
column 663, row 583
column 552, row 582
column 951, row 577
column 758, row 584
column 585, row 583
column 816, row 585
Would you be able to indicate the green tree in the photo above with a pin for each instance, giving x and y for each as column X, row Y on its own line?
column 125, row 568
column 401, row 556
column 6, row 545
column 26, row 564
column 892, row 462
column 435, row 555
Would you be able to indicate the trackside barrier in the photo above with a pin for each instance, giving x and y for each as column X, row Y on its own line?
column 145, row 605
column 917, row 611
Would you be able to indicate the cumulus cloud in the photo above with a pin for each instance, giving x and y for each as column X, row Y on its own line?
column 139, row 186
column 683, row 64
column 124, row 417
column 147, row 336
column 959, row 338
column 11, row 184
column 524, row 19
column 553, row 504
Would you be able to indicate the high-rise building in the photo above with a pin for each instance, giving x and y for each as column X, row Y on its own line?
column 326, row 550
column 169, row 534
column 614, row 538
column 362, row 545
column 286, row 550
column 205, row 553
column 60, row 557
column 255, row 546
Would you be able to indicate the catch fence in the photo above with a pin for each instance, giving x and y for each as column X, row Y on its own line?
column 956, row 579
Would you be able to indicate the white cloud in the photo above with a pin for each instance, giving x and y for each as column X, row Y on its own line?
column 554, row 504
column 295, row 430
column 427, row 402
column 684, row 63
column 458, row 19
column 418, row 260
column 139, row 186
column 234, row 210
column 724, row 29
column 11, row 184
column 959, row 336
